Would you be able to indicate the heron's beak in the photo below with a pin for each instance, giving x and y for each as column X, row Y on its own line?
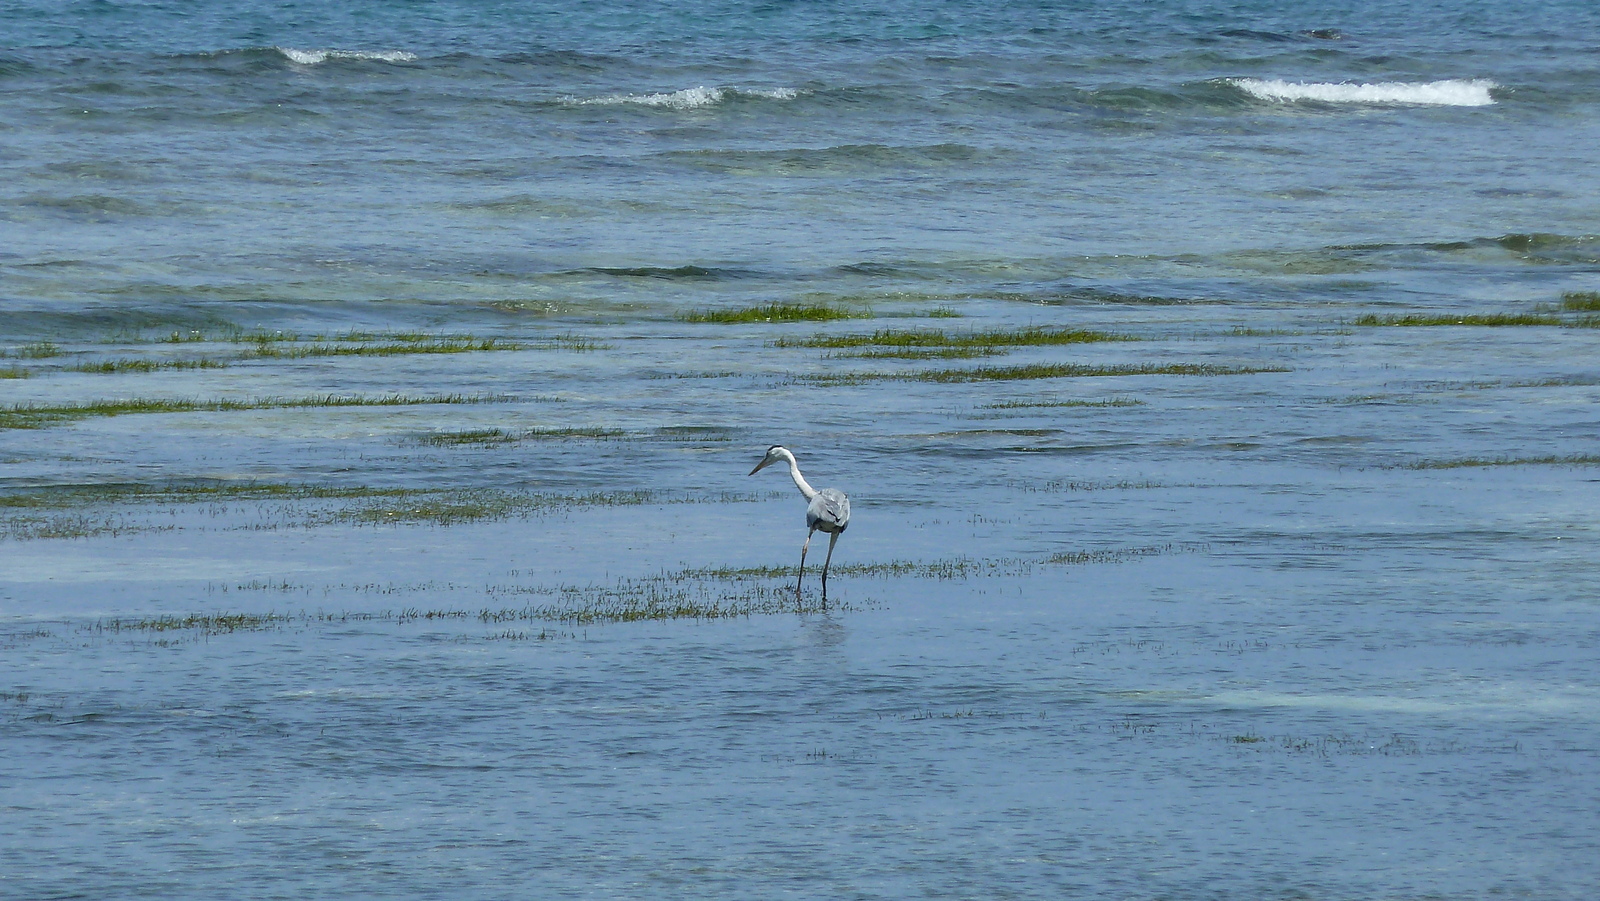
column 760, row 465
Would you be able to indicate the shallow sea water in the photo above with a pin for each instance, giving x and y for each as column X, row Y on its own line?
column 1316, row 622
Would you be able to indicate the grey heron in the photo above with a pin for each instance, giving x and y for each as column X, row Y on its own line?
column 828, row 510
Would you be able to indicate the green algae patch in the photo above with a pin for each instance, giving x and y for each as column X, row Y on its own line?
column 295, row 345
column 89, row 510
column 1492, row 320
column 1560, row 381
column 645, row 600
column 492, row 437
column 1244, row 331
column 1477, row 462
column 204, row 623
column 776, row 312
column 111, row 367
column 37, row 527
column 40, row 350
column 13, row 372
column 290, row 346
column 626, row 601
column 77, row 511
column 35, row 416
column 948, row 569
column 922, row 353
column 697, row 594
column 81, row 496
column 446, row 508
column 64, row 497
column 1038, row 371
column 1581, row 301
column 954, row 568
column 268, row 351
column 932, row 338
column 1111, row 555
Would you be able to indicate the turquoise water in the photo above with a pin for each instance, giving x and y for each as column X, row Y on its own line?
column 1271, row 597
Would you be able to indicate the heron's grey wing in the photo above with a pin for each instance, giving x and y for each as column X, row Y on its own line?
column 829, row 511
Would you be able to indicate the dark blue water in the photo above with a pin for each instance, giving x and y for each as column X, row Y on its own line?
column 1315, row 622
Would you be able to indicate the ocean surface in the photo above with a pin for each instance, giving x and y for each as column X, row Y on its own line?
column 1215, row 385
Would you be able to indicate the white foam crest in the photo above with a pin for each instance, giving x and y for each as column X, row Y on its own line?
column 688, row 98
column 313, row 57
column 1452, row 92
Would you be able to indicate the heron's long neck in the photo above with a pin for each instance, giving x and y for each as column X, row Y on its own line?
column 800, row 480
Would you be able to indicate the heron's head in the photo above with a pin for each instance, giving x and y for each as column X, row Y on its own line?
column 775, row 453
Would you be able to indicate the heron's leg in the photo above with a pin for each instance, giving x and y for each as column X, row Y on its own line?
column 803, row 548
column 833, row 539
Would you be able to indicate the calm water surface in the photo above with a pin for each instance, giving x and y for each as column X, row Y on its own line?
column 373, row 509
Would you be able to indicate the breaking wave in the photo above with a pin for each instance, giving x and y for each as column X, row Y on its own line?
column 313, row 57
column 1453, row 92
column 688, row 98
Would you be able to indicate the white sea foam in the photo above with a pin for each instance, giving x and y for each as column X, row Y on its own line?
column 1454, row 92
column 689, row 98
column 313, row 57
